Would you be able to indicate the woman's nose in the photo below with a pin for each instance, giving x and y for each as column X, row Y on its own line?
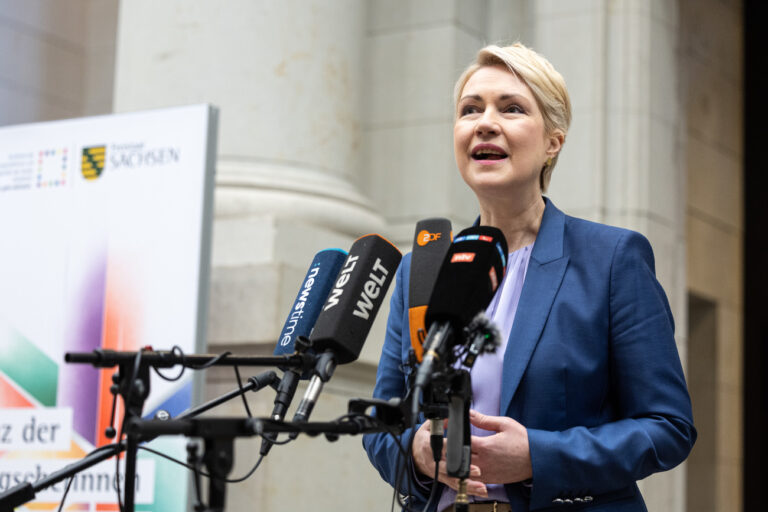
column 487, row 123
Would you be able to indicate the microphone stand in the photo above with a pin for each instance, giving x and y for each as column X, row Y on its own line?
column 165, row 359
column 136, row 389
column 458, row 452
column 451, row 388
column 219, row 435
column 26, row 492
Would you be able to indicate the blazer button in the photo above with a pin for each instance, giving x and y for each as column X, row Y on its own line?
column 578, row 500
column 568, row 501
column 557, row 501
column 588, row 498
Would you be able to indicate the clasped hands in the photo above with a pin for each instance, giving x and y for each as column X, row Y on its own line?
column 500, row 458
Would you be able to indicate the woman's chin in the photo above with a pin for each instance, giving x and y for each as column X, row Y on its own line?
column 487, row 183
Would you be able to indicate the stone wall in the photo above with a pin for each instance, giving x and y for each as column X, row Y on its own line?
column 336, row 121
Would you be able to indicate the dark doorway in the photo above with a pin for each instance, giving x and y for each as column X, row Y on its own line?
column 755, row 253
column 702, row 370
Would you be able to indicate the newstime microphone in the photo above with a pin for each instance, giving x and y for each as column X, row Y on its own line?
column 469, row 276
column 349, row 311
column 306, row 308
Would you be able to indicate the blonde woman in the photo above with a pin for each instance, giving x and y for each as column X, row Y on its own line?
column 586, row 395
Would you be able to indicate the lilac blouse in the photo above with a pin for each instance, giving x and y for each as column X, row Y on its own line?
column 486, row 373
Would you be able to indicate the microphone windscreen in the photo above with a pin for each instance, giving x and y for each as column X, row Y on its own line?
column 431, row 242
column 309, row 302
column 355, row 299
column 469, row 276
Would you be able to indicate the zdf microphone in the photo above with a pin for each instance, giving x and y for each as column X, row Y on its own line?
column 431, row 242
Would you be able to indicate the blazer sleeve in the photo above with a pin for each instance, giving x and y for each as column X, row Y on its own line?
column 653, row 430
column 384, row 451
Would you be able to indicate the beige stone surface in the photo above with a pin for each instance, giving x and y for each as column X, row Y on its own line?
column 730, row 348
column 714, row 261
column 58, row 59
column 299, row 105
column 714, row 112
column 310, row 473
column 578, row 181
column 730, row 409
column 410, row 76
column 710, row 47
column 729, row 485
column 716, row 184
column 42, row 63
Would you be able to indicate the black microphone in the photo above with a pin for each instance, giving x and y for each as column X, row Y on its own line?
column 431, row 242
column 349, row 311
column 306, row 308
column 468, row 278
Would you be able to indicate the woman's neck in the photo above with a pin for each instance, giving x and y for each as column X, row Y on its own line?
column 520, row 223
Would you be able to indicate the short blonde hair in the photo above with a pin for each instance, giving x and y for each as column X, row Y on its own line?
column 546, row 84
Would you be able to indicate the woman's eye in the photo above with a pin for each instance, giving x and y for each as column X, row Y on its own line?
column 515, row 109
column 469, row 109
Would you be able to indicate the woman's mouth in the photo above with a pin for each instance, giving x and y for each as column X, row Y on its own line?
column 488, row 152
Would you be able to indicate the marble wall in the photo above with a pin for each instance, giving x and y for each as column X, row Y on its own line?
column 57, row 59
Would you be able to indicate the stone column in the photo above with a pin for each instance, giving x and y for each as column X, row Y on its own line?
column 624, row 162
column 286, row 76
column 417, row 50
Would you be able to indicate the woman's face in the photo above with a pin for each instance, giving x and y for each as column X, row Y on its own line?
column 498, row 138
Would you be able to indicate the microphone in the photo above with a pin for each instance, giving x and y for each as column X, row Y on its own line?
column 349, row 311
column 306, row 308
column 469, row 276
column 431, row 242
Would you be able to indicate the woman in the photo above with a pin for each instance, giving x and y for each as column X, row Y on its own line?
column 586, row 394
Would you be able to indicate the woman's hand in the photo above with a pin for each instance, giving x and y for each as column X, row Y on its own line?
column 503, row 457
column 425, row 464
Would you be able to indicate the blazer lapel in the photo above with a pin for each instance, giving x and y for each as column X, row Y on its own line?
column 542, row 281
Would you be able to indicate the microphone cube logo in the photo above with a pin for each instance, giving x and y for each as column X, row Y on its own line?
column 92, row 163
column 463, row 257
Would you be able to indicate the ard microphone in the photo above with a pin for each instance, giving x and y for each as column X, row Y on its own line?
column 306, row 308
column 349, row 311
column 431, row 241
column 468, row 278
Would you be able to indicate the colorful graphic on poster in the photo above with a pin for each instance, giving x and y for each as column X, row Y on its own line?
column 104, row 242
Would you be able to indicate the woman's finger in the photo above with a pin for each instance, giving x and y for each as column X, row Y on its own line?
column 485, row 422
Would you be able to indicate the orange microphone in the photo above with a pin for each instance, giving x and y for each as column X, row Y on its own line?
column 431, row 241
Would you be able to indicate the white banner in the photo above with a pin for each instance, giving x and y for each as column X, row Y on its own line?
column 97, row 484
column 35, row 429
column 105, row 234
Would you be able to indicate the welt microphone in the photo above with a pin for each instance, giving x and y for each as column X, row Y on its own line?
column 469, row 276
column 306, row 308
column 431, row 242
column 349, row 311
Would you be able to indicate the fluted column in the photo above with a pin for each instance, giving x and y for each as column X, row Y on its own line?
column 286, row 78
column 624, row 162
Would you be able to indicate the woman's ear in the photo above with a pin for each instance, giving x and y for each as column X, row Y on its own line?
column 556, row 140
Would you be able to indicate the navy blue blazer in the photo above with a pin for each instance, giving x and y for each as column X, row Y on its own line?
column 591, row 370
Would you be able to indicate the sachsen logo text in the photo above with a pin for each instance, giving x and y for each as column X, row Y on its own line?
column 93, row 161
